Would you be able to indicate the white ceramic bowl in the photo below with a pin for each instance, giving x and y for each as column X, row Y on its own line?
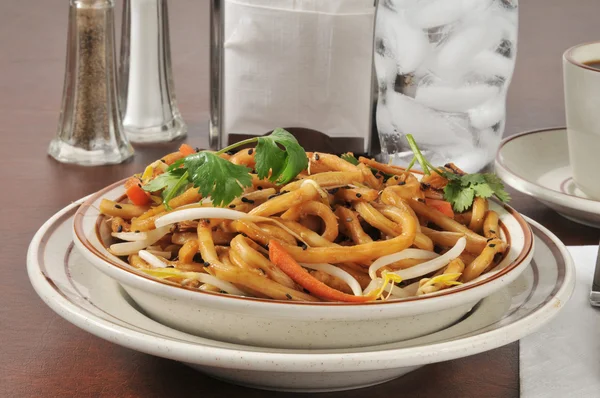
column 270, row 323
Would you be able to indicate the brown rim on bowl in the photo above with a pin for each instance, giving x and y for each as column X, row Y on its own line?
column 568, row 56
column 78, row 229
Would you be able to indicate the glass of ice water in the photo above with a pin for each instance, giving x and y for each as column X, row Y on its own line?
column 443, row 69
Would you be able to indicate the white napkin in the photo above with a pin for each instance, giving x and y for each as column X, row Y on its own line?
column 298, row 63
column 563, row 358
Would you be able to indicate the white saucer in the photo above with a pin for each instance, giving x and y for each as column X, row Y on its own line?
column 89, row 299
column 537, row 163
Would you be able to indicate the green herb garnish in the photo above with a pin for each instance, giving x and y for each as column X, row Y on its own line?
column 283, row 165
column 172, row 184
column 461, row 190
column 348, row 157
column 224, row 181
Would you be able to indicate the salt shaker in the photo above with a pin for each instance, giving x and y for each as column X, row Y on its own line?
column 150, row 112
column 89, row 130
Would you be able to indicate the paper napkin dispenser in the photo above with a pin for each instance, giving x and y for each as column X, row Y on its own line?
column 304, row 65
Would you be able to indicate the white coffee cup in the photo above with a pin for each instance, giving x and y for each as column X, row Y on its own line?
column 582, row 104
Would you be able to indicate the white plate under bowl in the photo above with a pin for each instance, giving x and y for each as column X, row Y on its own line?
column 81, row 294
column 537, row 163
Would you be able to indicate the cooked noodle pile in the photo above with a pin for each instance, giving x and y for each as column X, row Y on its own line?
column 338, row 232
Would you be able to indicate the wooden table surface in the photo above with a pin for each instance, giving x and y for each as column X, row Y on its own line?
column 41, row 355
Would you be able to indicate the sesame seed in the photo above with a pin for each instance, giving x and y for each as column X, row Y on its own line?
column 358, row 195
column 402, row 183
column 250, row 151
column 118, row 206
column 317, row 157
column 232, row 206
column 137, row 231
column 120, row 228
column 492, row 245
column 289, row 296
column 333, row 191
column 162, row 160
column 303, row 246
column 259, row 188
column 206, row 263
column 140, row 185
column 246, row 200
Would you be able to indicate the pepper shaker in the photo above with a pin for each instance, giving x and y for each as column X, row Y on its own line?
column 147, row 96
column 89, row 129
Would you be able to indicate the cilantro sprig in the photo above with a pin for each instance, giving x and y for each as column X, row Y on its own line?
column 350, row 158
column 461, row 190
column 224, row 181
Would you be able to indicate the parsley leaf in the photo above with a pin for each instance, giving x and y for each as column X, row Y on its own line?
column 461, row 190
column 166, row 180
column 348, row 157
column 452, row 190
column 497, row 186
column 460, row 197
column 483, row 190
column 216, row 177
column 172, row 183
column 283, row 165
column 224, row 181
column 463, row 200
column 470, row 179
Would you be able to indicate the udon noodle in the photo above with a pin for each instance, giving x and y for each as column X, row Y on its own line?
column 338, row 232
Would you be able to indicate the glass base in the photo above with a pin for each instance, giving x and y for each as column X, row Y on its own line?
column 66, row 153
column 172, row 130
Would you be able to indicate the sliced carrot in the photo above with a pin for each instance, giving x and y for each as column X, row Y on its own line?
column 440, row 205
column 137, row 195
column 281, row 258
column 186, row 150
